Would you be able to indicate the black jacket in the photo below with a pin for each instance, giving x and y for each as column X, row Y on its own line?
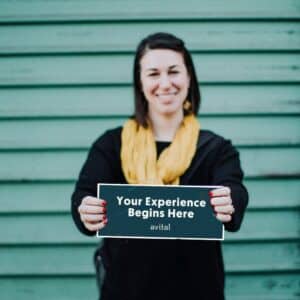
column 164, row 269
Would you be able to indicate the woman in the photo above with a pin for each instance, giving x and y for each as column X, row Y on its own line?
column 162, row 144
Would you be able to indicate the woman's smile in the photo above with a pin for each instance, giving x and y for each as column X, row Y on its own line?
column 166, row 98
column 166, row 94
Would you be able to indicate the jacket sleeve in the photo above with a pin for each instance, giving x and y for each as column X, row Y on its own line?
column 98, row 167
column 227, row 172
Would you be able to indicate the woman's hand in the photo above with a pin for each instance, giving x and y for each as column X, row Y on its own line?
column 221, row 201
column 92, row 213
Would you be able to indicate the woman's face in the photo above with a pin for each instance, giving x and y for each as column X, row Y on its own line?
column 165, row 81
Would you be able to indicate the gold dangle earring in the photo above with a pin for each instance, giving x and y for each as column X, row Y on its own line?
column 187, row 106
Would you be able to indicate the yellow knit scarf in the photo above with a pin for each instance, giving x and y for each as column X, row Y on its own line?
column 139, row 156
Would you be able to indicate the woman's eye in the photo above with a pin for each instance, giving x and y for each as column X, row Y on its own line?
column 174, row 72
column 153, row 74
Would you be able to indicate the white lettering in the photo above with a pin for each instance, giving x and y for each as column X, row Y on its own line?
column 120, row 198
column 173, row 213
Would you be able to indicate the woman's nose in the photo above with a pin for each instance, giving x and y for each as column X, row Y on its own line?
column 164, row 81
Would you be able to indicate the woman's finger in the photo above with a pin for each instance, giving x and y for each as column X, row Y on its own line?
column 221, row 200
column 92, row 218
column 89, row 200
column 95, row 227
column 88, row 209
column 223, row 191
column 224, row 218
column 224, row 209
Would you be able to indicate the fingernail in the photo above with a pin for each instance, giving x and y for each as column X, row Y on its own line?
column 104, row 210
column 104, row 203
column 105, row 221
column 210, row 193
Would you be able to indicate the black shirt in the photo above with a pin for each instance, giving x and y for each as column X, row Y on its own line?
column 163, row 269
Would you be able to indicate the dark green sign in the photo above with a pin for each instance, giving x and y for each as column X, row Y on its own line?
column 147, row 211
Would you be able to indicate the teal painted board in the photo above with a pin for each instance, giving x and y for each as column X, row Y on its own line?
column 274, row 193
column 42, row 229
column 37, row 197
column 48, row 288
column 97, row 69
column 60, row 260
column 268, row 224
column 59, row 134
column 120, row 37
column 76, row 260
column 58, row 228
column 20, row 11
column 271, row 162
column 262, row 256
column 64, row 102
column 267, row 286
column 276, row 286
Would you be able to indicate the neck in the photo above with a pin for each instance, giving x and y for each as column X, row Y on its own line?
column 165, row 126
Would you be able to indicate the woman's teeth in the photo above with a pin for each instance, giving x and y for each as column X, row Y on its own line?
column 165, row 95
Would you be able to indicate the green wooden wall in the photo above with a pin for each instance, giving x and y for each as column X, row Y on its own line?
column 65, row 77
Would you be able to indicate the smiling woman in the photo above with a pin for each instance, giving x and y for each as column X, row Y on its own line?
column 162, row 144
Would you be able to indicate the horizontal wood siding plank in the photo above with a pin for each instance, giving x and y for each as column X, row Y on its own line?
column 49, row 288
column 65, row 165
column 273, row 193
column 35, row 197
column 116, row 37
column 255, row 257
column 98, row 69
column 238, row 287
column 20, row 11
column 118, row 100
column 275, row 286
column 60, row 260
column 278, row 164
column 270, row 224
column 38, row 197
column 59, row 228
column 239, row 257
column 47, row 134
column 41, row 229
